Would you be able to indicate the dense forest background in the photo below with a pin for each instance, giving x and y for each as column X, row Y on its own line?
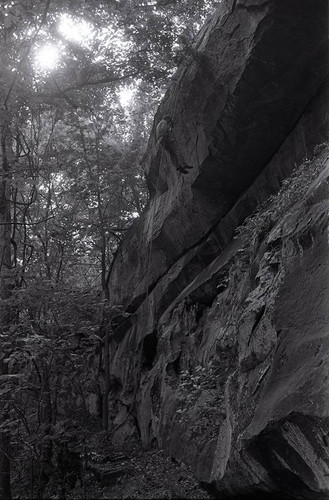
column 79, row 85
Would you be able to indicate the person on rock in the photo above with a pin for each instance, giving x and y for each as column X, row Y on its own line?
column 163, row 136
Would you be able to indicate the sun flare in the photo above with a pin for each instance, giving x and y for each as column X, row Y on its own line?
column 126, row 95
column 75, row 30
column 47, row 57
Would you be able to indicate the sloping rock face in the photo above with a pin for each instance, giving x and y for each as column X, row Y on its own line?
column 220, row 355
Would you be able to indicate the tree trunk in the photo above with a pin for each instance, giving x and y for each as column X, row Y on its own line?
column 106, row 340
column 46, row 418
column 106, row 381
column 5, row 294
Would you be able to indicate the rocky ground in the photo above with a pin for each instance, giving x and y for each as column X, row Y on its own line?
column 129, row 472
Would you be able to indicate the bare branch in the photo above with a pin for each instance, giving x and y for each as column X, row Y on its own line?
column 27, row 223
column 67, row 98
column 79, row 86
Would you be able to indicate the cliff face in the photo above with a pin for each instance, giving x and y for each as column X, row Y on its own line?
column 220, row 356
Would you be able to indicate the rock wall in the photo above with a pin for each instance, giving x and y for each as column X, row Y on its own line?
column 219, row 344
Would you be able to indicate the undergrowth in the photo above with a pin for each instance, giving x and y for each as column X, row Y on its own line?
column 293, row 189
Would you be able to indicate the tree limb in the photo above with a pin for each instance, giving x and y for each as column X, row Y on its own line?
column 27, row 223
column 67, row 98
column 78, row 86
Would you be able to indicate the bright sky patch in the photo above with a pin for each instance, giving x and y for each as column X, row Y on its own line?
column 126, row 95
column 47, row 57
column 75, row 30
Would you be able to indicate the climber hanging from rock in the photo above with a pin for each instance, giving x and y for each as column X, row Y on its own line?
column 163, row 135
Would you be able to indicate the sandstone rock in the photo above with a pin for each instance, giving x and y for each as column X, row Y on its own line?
column 224, row 351
column 260, row 66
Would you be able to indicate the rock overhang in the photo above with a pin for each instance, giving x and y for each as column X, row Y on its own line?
column 258, row 67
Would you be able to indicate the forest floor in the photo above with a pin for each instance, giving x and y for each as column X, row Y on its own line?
column 134, row 473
